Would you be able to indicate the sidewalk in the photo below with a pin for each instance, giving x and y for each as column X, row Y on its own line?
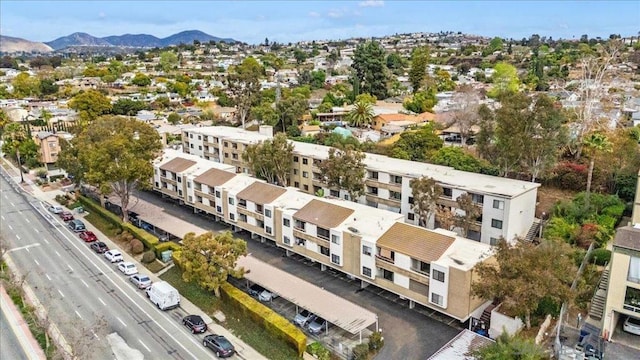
column 19, row 327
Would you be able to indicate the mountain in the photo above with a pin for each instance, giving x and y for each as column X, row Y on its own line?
column 10, row 44
column 133, row 40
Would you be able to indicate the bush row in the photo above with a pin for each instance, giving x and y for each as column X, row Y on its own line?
column 272, row 322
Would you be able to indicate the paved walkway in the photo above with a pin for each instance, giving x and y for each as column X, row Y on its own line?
column 19, row 327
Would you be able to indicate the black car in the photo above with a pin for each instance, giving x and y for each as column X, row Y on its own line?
column 194, row 323
column 255, row 290
column 99, row 247
column 219, row 344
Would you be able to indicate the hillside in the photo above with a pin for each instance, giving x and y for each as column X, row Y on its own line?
column 10, row 44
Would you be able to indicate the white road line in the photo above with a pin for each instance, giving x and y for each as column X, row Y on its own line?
column 10, row 227
column 77, row 313
column 27, row 220
column 69, row 266
column 26, row 248
column 145, row 346
column 36, row 261
column 61, row 294
column 46, row 241
column 48, row 278
column 57, row 253
column 85, row 284
column 18, row 237
column 94, row 334
column 12, row 204
column 5, row 196
column 121, row 322
column 2, row 217
column 37, row 231
column 103, row 303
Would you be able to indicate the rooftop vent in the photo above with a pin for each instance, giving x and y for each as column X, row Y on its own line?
column 353, row 230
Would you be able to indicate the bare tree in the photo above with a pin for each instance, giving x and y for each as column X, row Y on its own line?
column 426, row 192
column 470, row 212
column 465, row 115
column 446, row 217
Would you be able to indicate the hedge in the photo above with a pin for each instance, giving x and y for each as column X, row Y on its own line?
column 149, row 241
column 601, row 256
column 162, row 247
column 272, row 322
column 104, row 213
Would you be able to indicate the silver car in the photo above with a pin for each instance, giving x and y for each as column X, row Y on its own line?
column 317, row 325
column 140, row 281
column 303, row 318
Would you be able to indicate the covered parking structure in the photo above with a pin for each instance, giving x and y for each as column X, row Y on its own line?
column 336, row 310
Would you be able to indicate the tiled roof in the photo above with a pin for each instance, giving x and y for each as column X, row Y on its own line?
column 261, row 193
column 177, row 165
column 324, row 214
column 214, row 177
column 415, row 241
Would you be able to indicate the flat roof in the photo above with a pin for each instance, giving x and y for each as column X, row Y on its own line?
column 464, row 254
column 331, row 307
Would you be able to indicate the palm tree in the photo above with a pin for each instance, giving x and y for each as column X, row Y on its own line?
column 595, row 143
column 361, row 115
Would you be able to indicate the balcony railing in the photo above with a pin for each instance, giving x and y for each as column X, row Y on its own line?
column 632, row 307
column 386, row 259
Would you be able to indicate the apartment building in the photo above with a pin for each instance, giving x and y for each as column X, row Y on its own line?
column 508, row 206
column 48, row 147
column 429, row 267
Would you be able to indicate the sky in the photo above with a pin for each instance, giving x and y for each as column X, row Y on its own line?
column 291, row 21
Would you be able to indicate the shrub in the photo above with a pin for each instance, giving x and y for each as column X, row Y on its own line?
column 125, row 237
column 95, row 207
column 319, row 351
column 62, row 199
column 148, row 257
column 568, row 175
column 162, row 247
column 601, row 256
column 147, row 239
column 376, row 341
column 137, row 247
column 361, row 352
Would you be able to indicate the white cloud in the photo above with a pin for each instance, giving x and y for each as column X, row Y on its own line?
column 102, row 15
column 335, row 14
column 314, row 14
column 371, row 3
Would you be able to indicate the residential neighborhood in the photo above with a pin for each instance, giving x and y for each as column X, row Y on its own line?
column 407, row 195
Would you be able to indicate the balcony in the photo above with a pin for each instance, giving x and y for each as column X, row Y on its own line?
column 309, row 237
column 382, row 185
column 632, row 300
column 375, row 199
column 245, row 211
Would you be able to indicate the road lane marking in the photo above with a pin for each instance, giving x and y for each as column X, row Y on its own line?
column 18, row 237
column 77, row 313
column 10, row 227
column 85, row 284
column 57, row 253
column 6, row 197
column 61, row 294
column 48, row 278
column 69, row 266
column 121, row 322
column 46, row 241
column 145, row 346
column 2, row 217
column 26, row 247
column 37, row 263
column 103, row 303
column 27, row 220
column 12, row 204
column 94, row 334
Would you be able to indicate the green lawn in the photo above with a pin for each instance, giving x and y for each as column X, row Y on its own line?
column 241, row 326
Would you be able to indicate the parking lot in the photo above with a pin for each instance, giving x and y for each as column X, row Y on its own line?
column 408, row 333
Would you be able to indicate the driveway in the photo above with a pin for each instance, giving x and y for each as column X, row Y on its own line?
column 408, row 334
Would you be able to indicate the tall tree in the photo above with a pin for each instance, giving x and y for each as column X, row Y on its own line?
column 511, row 347
column 290, row 111
column 469, row 212
column 505, row 80
column 417, row 145
column 595, row 143
column 25, row 85
column 244, row 85
column 361, row 115
column 128, row 107
column 168, row 60
column 421, row 101
column 271, row 160
column 344, row 169
column 465, row 116
column 418, row 70
column 208, row 259
column 90, row 105
column 425, row 192
column 370, row 69
column 525, row 274
column 116, row 154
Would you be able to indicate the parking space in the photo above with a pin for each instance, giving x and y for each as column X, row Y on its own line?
column 624, row 338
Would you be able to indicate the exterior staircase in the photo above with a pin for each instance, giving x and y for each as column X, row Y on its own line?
column 486, row 316
column 596, row 310
column 534, row 231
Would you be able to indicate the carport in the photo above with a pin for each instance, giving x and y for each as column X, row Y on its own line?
column 336, row 310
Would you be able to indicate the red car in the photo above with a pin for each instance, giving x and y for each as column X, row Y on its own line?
column 88, row 236
column 66, row 216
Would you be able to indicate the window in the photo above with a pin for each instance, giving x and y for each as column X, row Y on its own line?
column 286, row 240
column 305, row 161
column 420, row 266
column 411, row 216
column 199, row 137
column 234, row 145
column 286, row 222
column 334, row 193
column 372, row 190
column 231, row 201
column 226, row 155
column 232, row 217
column 300, row 242
column 447, row 192
column 394, row 179
column 324, row 250
column 218, row 194
column 386, row 274
column 234, row 156
column 190, row 198
column 366, row 250
column 322, row 233
column 242, row 203
column 410, row 200
column 268, row 230
column 242, row 217
column 477, row 198
column 436, row 299
column 305, row 187
column 191, row 136
column 438, row 275
column 335, row 259
column 496, row 223
column 219, row 209
column 366, row 271
column 335, row 239
column 226, row 144
column 295, row 171
column 267, row 213
column 493, row 241
column 179, row 178
column 295, row 159
column 634, row 270
column 179, row 192
column 300, row 225
column 199, row 147
column 198, row 199
column 395, row 195
column 305, row 174
column 296, row 184
column 188, row 185
column 191, row 146
column 498, row 204
column 259, row 209
column 373, row 175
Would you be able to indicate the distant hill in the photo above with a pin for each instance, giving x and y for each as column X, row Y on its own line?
column 133, row 40
column 10, row 44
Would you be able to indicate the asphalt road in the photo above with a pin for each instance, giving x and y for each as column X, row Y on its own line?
column 85, row 296
column 9, row 346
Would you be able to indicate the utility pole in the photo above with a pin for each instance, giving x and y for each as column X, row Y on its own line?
column 19, row 166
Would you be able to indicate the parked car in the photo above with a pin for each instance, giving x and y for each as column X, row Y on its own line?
column 56, row 209
column 255, row 290
column 76, row 225
column 66, row 216
column 140, row 281
column 128, row 268
column 453, row 138
column 632, row 325
column 99, row 247
column 194, row 323
column 113, row 256
column 317, row 325
column 88, row 236
column 220, row 345
column 267, row 295
column 303, row 318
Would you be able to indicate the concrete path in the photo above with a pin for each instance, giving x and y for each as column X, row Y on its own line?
column 18, row 326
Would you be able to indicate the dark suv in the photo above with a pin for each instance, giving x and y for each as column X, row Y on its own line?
column 194, row 323
column 255, row 290
column 219, row 344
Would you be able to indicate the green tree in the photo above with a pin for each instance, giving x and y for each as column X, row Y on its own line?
column 505, row 80
column 444, row 82
column 271, row 160
column 361, row 115
column 370, row 69
column 128, row 107
column 417, row 145
column 508, row 347
column 141, row 79
column 395, row 63
column 421, row 101
column 457, row 158
column 13, row 135
column 4, row 120
column 180, row 88
column 344, row 169
column 299, row 55
column 367, row 98
column 418, row 70
column 116, row 154
column 317, row 79
column 174, row 118
column 525, row 274
column 425, row 192
column 244, row 85
column 208, row 259
column 290, row 111
column 90, row 105
column 25, row 85
column 168, row 60
column 265, row 113
column 594, row 143
column 470, row 212
column 48, row 87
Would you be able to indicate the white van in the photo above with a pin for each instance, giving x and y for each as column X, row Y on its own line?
column 163, row 295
